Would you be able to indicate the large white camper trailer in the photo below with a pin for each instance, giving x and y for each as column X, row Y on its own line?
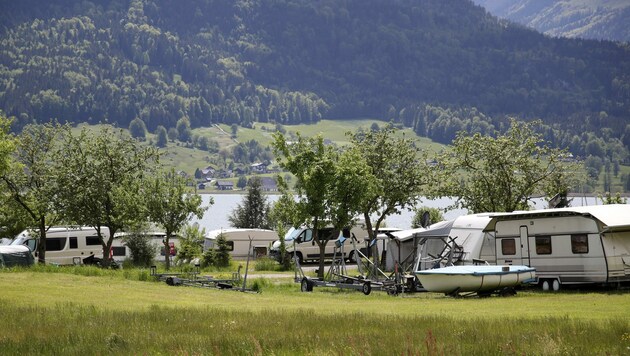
column 580, row 245
column 65, row 245
column 239, row 241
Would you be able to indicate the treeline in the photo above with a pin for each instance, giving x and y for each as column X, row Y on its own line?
column 435, row 65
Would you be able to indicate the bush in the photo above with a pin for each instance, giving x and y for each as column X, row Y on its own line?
column 207, row 259
column 190, row 244
column 222, row 256
column 142, row 250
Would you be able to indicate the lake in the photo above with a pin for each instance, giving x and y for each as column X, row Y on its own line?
column 216, row 217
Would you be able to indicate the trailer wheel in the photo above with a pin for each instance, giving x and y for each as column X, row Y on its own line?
column 306, row 285
column 544, row 285
column 555, row 285
column 367, row 288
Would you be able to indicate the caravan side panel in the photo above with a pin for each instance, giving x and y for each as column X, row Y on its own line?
column 567, row 248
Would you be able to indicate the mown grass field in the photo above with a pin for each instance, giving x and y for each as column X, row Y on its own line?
column 82, row 310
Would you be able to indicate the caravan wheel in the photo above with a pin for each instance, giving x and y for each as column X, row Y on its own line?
column 555, row 285
column 545, row 285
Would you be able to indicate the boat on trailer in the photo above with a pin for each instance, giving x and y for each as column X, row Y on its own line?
column 482, row 280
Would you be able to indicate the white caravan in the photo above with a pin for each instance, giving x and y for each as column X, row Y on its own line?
column 589, row 244
column 238, row 241
column 120, row 252
column 65, row 245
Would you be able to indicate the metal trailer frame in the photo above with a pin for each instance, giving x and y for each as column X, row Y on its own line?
column 193, row 279
column 400, row 281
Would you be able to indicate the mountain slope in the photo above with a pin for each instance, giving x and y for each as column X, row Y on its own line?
column 593, row 19
column 298, row 61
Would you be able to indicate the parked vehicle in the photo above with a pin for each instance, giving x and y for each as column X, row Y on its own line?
column 65, row 245
column 238, row 241
column 120, row 252
column 18, row 255
column 300, row 242
column 581, row 245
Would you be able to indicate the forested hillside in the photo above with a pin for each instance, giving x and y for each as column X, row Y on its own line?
column 594, row 19
column 438, row 66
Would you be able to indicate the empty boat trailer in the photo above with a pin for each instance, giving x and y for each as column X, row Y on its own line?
column 578, row 245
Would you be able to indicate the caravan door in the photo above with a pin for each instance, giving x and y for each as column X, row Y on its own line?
column 513, row 250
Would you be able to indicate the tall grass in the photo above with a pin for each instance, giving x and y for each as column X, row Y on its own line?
column 43, row 311
column 70, row 329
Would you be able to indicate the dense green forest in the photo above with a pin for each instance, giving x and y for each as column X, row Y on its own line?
column 438, row 66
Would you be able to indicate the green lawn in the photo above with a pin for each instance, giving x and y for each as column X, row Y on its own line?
column 69, row 313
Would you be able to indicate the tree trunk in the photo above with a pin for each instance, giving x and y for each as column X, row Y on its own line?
column 167, row 251
column 41, row 246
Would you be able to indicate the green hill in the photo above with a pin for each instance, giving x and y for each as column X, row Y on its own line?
column 594, row 19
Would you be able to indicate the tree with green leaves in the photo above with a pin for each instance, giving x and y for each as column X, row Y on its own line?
column 254, row 211
column 222, row 255
column 138, row 129
column 191, row 243
column 31, row 181
column 102, row 178
column 162, row 137
column 313, row 164
column 170, row 205
column 401, row 175
column 435, row 215
column 184, row 133
column 501, row 173
column 283, row 216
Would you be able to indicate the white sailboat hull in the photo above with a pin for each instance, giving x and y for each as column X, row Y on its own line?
column 456, row 279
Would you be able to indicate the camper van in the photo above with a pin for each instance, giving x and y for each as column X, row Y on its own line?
column 301, row 244
column 238, row 241
column 589, row 244
column 65, row 245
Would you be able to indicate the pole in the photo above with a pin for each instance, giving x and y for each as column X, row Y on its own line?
column 247, row 264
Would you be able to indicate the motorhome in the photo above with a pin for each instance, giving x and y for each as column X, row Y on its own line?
column 581, row 245
column 238, row 241
column 65, row 245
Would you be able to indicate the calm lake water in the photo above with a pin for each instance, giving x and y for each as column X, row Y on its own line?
column 216, row 217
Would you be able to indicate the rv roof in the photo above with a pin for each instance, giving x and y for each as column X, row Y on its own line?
column 613, row 216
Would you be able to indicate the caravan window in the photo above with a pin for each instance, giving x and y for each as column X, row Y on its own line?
column 579, row 243
column 55, row 243
column 543, row 245
column 508, row 246
column 230, row 245
column 73, row 242
column 92, row 240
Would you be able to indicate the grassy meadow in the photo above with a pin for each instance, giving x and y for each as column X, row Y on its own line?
column 79, row 310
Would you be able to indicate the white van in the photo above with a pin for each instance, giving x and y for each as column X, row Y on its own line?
column 65, row 245
column 300, row 242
